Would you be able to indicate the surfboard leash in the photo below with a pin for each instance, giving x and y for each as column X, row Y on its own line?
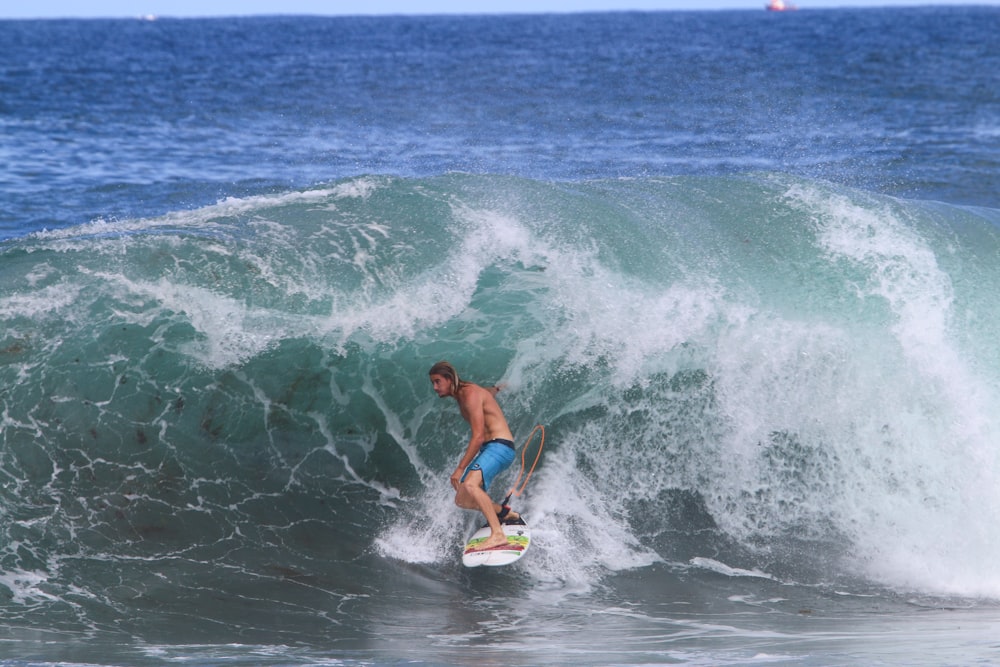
column 516, row 490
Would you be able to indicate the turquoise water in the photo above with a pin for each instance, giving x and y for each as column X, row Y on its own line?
column 765, row 364
column 217, row 426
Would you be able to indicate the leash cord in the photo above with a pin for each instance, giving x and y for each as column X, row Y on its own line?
column 515, row 490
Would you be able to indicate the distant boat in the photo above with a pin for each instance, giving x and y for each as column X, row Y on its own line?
column 780, row 6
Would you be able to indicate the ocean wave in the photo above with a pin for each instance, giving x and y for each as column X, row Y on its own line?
column 764, row 365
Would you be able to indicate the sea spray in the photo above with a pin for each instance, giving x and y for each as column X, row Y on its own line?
column 932, row 497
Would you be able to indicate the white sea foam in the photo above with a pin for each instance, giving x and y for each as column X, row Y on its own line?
column 722, row 568
column 915, row 436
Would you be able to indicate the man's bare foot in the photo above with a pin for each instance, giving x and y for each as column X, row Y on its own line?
column 508, row 516
column 492, row 542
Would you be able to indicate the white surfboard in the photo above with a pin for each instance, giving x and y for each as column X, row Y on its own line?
column 518, row 540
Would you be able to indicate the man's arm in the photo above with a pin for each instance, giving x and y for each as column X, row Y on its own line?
column 470, row 404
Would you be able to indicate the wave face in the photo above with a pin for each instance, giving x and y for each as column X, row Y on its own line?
column 220, row 418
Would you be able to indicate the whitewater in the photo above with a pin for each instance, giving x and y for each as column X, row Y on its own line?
column 766, row 365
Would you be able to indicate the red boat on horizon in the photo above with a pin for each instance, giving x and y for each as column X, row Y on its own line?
column 780, row 6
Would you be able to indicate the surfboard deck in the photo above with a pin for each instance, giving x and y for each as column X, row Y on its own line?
column 518, row 541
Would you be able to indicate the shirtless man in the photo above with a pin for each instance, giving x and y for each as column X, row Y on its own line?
column 490, row 450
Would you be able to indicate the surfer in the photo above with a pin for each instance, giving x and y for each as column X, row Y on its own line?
column 490, row 450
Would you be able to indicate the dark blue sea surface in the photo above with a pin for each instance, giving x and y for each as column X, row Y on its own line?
column 742, row 265
column 126, row 119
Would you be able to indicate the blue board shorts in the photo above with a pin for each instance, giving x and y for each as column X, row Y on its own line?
column 493, row 458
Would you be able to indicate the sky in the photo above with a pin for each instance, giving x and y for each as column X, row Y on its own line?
column 192, row 8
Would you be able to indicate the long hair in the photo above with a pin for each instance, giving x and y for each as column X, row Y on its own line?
column 447, row 371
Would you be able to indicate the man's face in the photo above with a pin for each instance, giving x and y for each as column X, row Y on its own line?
column 441, row 385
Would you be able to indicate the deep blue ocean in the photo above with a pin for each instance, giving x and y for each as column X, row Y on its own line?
column 744, row 267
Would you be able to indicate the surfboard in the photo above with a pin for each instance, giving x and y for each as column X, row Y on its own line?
column 518, row 541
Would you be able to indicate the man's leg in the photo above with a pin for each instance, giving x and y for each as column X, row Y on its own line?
column 471, row 496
